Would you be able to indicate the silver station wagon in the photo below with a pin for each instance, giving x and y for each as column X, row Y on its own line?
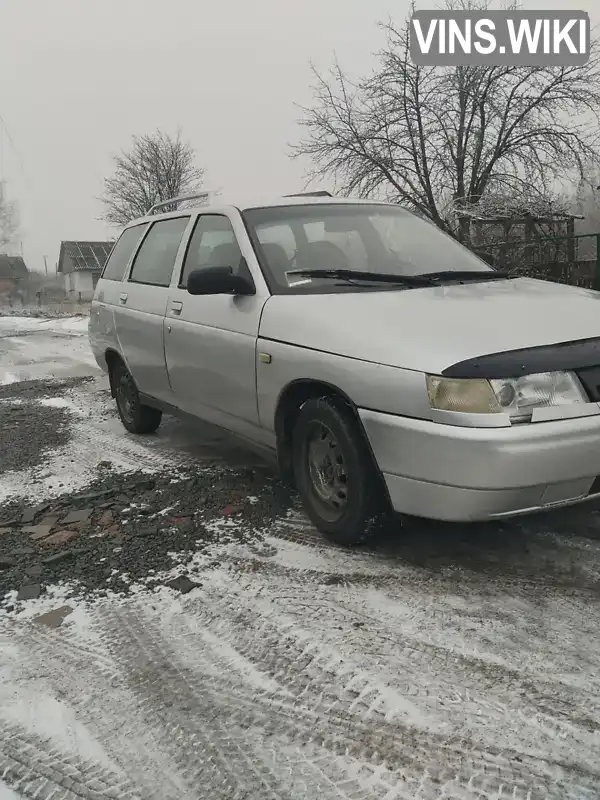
column 385, row 365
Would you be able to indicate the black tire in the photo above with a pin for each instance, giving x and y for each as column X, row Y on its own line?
column 136, row 417
column 356, row 495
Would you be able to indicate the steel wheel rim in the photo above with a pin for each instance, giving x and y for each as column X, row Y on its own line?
column 327, row 471
column 125, row 399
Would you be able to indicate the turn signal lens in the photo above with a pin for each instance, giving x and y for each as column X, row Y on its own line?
column 470, row 396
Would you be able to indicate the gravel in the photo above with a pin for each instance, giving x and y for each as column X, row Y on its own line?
column 29, row 432
column 131, row 525
column 40, row 390
column 50, row 311
column 122, row 524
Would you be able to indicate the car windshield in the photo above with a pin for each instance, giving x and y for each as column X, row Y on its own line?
column 366, row 238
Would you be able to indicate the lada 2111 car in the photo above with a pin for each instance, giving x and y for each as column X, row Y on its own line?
column 383, row 363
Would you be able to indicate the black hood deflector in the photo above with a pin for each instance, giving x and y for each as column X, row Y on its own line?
column 530, row 360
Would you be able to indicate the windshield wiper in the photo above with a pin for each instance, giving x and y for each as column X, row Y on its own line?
column 368, row 277
column 468, row 275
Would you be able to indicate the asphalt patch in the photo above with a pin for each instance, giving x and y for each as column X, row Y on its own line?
column 125, row 528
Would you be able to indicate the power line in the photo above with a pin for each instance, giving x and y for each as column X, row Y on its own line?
column 13, row 148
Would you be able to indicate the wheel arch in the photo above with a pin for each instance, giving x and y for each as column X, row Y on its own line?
column 291, row 399
column 112, row 358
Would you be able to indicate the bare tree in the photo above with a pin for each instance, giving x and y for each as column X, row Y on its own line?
column 439, row 139
column 9, row 222
column 155, row 168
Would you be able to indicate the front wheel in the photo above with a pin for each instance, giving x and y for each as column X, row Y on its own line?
column 136, row 417
column 336, row 477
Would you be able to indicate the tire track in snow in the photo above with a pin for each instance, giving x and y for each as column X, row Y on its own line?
column 413, row 659
column 342, row 732
column 555, row 553
column 84, row 676
column 225, row 612
column 364, row 695
column 297, row 528
column 239, row 748
column 68, row 656
column 38, row 769
column 220, row 727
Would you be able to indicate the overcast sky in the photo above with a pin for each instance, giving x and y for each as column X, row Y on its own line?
column 79, row 77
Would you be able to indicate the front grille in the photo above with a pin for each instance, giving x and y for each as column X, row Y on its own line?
column 590, row 380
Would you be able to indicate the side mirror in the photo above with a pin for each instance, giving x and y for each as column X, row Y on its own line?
column 218, row 280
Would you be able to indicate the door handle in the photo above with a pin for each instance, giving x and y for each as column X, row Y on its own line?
column 176, row 307
column 123, row 298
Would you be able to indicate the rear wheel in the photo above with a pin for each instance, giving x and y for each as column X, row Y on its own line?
column 136, row 417
column 335, row 474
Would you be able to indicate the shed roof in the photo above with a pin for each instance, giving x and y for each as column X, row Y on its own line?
column 12, row 267
column 84, row 255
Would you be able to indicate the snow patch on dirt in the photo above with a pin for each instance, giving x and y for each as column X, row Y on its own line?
column 96, row 437
column 34, row 709
column 327, row 560
column 54, row 597
column 61, row 402
column 65, row 325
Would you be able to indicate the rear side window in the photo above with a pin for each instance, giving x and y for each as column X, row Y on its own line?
column 116, row 265
column 156, row 257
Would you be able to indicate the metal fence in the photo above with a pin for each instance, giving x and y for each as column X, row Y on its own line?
column 567, row 259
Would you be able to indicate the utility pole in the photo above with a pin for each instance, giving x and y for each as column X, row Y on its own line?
column 46, row 264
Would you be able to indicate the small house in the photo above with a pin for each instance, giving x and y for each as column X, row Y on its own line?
column 81, row 264
column 14, row 277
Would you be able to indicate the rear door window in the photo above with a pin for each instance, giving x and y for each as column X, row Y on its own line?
column 115, row 267
column 155, row 259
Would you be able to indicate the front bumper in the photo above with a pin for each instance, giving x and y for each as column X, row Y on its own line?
column 465, row 474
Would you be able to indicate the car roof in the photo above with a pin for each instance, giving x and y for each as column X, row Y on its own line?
column 257, row 202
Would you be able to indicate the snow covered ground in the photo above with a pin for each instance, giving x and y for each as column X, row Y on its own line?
column 57, row 325
column 6, row 793
column 34, row 348
column 444, row 663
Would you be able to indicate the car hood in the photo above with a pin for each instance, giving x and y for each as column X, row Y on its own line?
column 433, row 328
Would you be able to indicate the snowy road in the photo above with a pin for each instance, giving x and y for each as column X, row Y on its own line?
column 443, row 662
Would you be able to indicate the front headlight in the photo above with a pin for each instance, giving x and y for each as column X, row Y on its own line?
column 517, row 397
column 520, row 396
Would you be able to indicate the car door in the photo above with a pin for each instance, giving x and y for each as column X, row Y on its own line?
column 102, row 329
column 210, row 340
column 142, row 303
